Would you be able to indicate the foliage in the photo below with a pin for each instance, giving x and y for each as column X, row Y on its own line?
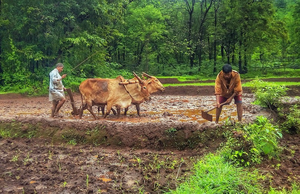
column 295, row 190
column 268, row 94
column 291, row 120
column 109, row 38
column 247, row 144
column 34, row 37
column 214, row 175
column 9, row 131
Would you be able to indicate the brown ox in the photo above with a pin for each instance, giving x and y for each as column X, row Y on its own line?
column 153, row 85
column 101, row 92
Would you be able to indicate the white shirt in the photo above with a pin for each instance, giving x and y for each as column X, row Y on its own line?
column 56, row 85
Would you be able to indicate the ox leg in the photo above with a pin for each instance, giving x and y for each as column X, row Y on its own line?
column 102, row 109
column 108, row 108
column 118, row 111
column 99, row 109
column 137, row 106
column 125, row 111
column 90, row 109
column 115, row 113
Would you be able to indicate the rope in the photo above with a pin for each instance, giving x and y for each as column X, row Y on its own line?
column 127, row 89
column 84, row 60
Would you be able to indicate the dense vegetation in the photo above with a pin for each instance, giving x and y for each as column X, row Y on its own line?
column 96, row 38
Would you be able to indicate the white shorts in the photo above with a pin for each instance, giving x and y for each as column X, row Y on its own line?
column 56, row 95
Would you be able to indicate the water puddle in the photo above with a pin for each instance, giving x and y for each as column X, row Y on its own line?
column 183, row 115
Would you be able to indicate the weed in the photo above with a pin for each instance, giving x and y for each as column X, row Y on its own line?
column 27, row 159
column 171, row 130
column 268, row 94
column 87, row 181
column 278, row 166
column 295, row 190
column 5, row 133
column 293, row 153
column 248, row 144
column 15, row 158
column 64, row 184
column 50, row 155
column 30, row 134
column 72, row 142
column 59, row 166
column 141, row 190
column 291, row 119
column 139, row 160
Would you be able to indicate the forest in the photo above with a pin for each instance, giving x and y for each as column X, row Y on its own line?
column 97, row 38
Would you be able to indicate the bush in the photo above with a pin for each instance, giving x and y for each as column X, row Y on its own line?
column 268, row 94
column 291, row 120
column 248, row 144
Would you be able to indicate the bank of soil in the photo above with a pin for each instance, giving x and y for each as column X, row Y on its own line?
column 130, row 154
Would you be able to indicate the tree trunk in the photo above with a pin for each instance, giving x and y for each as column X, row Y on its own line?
column 190, row 9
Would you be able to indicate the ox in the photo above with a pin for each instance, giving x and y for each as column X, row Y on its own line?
column 110, row 92
column 153, row 85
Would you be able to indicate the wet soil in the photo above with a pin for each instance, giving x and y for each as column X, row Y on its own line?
column 151, row 153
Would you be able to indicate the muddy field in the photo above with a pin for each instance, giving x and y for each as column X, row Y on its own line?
column 151, row 153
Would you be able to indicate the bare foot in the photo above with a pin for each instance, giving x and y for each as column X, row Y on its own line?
column 57, row 115
column 52, row 112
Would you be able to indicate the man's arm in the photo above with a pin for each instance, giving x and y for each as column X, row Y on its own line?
column 218, row 101
column 228, row 101
column 218, row 90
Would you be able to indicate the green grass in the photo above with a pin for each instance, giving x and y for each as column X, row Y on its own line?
column 9, row 92
column 278, row 83
column 214, row 175
column 190, row 84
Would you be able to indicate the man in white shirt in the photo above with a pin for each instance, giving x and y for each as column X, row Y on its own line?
column 56, row 89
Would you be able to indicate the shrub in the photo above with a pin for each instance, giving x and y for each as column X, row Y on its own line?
column 248, row 144
column 268, row 94
column 291, row 119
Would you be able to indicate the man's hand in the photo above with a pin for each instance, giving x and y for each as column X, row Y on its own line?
column 228, row 101
column 63, row 76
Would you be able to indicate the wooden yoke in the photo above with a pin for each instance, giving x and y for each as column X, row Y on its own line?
column 128, row 82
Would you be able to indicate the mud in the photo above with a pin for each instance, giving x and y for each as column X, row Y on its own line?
column 151, row 153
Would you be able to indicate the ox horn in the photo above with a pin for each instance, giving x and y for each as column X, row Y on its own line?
column 145, row 74
column 137, row 77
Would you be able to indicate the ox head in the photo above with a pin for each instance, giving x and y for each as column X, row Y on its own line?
column 154, row 84
column 144, row 91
